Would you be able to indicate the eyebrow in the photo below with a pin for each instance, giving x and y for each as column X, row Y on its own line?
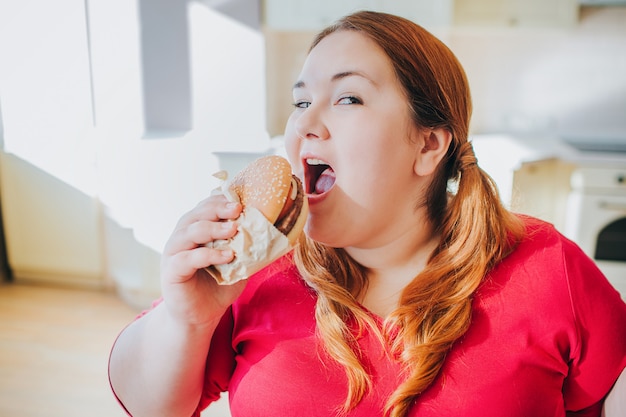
column 337, row 77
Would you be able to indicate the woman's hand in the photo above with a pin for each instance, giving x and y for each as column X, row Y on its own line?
column 190, row 294
column 158, row 362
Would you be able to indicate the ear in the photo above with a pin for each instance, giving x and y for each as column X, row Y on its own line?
column 432, row 147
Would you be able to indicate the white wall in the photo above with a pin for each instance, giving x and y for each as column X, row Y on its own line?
column 553, row 82
column 74, row 88
column 169, row 172
column 45, row 88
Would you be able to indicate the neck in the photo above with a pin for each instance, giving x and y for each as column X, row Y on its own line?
column 392, row 266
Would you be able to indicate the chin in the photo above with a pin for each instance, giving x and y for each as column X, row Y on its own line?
column 325, row 234
column 315, row 232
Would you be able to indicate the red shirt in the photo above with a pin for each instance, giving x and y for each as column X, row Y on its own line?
column 548, row 338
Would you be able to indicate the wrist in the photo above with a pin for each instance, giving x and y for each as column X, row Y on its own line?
column 185, row 326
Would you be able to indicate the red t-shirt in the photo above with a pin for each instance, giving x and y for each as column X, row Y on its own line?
column 548, row 338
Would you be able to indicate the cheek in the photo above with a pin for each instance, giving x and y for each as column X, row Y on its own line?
column 292, row 146
column 378, row 167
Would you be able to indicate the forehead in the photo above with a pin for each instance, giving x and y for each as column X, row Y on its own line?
column 347, row 50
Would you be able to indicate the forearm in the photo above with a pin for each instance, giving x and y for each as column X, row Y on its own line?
column 157, row 365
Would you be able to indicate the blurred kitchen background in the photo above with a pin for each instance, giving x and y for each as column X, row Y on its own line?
column 114, row 114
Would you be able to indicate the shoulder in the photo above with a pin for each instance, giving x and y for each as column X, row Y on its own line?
column 540, row 233
column 543, row 246
column 547, row 267
column 541, row 268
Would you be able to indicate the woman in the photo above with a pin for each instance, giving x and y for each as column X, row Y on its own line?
column 414, row 293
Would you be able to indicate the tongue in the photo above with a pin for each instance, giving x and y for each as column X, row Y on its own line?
column 325, row 181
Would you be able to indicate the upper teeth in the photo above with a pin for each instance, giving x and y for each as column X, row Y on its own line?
column 313, row 161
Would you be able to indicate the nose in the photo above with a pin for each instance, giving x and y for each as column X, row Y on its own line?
column 310, row 124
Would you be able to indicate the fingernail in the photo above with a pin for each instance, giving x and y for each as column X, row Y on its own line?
column 231, row 205
column 227, row 225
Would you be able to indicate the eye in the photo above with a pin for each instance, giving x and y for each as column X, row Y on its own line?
column 349, row 100
column 301, row 104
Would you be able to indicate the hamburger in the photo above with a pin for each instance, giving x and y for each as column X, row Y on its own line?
column 274, row 214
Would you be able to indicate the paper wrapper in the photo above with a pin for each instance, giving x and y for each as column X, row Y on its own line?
column 256, row 244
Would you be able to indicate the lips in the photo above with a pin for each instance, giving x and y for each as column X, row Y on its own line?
column 319, row 177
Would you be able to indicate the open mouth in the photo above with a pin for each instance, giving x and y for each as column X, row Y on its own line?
column 319, row 176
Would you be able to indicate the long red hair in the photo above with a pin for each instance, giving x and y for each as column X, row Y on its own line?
column 476, row 230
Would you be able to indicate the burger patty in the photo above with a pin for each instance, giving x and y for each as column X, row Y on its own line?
column 286, row 223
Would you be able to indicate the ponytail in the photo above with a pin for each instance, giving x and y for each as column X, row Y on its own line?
column 435, row 308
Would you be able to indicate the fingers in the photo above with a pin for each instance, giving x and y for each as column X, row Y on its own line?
column 215, row 208
column 208, row 221
column 199, row 234
column 184, row 264
column 186, row 252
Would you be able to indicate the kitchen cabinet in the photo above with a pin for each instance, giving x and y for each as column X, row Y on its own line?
column 302, row 15
column 512, row 13
column 541, row 189
column 305, row 15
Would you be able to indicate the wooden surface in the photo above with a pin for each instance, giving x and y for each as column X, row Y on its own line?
column 54, row 347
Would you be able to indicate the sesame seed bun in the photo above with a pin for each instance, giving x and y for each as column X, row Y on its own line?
column 268, row 185
column 264, row 184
